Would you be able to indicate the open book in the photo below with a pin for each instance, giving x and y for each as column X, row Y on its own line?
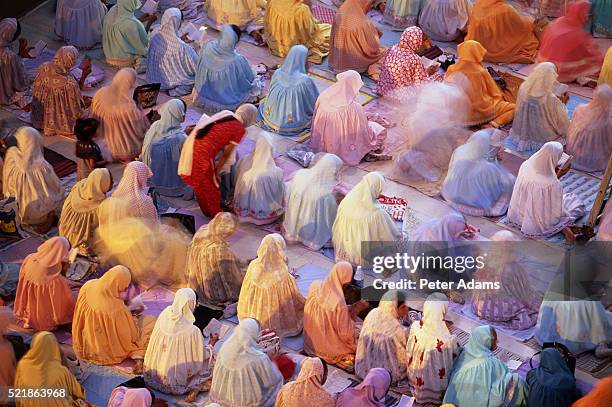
column 150, row 7
column 193, row 33
column 215, row 327
column 565, row 161
column 428, row 62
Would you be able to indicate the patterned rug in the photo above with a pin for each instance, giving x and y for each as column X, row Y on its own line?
column 61, row 165
column 323, row 14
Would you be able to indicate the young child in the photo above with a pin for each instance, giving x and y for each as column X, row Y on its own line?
column 88, row 153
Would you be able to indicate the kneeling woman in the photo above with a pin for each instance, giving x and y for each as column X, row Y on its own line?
column 476, row 183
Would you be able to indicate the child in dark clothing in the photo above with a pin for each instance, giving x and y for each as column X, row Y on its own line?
column 88, row 153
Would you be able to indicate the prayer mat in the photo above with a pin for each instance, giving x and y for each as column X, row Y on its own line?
column 323, row 14
column 502, row 354
column 511, row 162
column 288, row 166
column 18, row 250
column 61, row 165
column 526, row 334
column 513, row 83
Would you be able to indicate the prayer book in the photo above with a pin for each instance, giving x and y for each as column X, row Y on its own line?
column 514, row 364
column 38, row 48
column 150, row 7
column 193, row 33
column 136, row 303
column 336, row 383
column 406, row 401
column 559, row 89
column 565, row 161
column 215, row 327
column 394, row 206
column 145, row 95
column 428, row 62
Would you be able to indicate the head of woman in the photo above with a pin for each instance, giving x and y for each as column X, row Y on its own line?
column 247, row 114
column 411, row 39
column 183, row 306
column 373, row 388
column 43, row 350
column 29, row 143
column 482, row 342
column 123, row 82
column 134, row 179
column 65, row 58
column 171, row 20
column 52, row 254
column 271, row 251
column 128, row 6
column 578, row 13
column 544, row 162
column 313, row 369
column 471, row 51
column 115, row 281
column 86, row 129
column 222, row 226
column 230, row 35
column 296, row 60
column 10, row 29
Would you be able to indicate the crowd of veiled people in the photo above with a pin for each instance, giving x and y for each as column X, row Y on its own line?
column 454, row 142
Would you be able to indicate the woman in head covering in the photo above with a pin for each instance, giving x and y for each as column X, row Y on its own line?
column 44, row 300
column 572, row 49
column 13, row 72
column 552, row 382
column 260, row 189
column 480, row 379
column 130, row 397
column 130, row 199
column 213, row 136
column 340, row 125
column 80, row 215
column 161, row 149
column 41, row 367
column 382, row 340
column 307, row 389
column 538, row 206
column 79, row 22
column 444, row 20
column 269, row 293
column 28, row 177
column 122, row 124
column 290, row 22
column 56, row 95
column 370, row 393
column 540, row 115
column 597, row 396
column 9, row 362
column 589, row 138
column 124, row 37
column 355, row 40
column 189, row 9
column 104, row 331
column 289, row 105
column 177, row 361
column 507, row 36
column 431, row 350
column 170, row 60
column 361, row 219
column 248, row 15
column 402, row 68
column 476, row 183
column 224, row 78
column 487, row 101
column 311, row 203
column 605, row 76
column 329, row 324
column 402, row 13
column 515, row 304
column 214, row 270
column 244, row 375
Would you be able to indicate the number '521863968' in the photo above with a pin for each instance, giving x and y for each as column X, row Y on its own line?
column 18, row 393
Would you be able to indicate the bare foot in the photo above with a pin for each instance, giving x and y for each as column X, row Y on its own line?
column 191, row 397
column 568, row 234
column 138, row 367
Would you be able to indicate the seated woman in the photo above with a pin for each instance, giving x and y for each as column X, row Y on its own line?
column 56, row 95
column 224, row 78
column 307, row 387
column 371, row 392
column 445, row 20
column 29, row 178
column 176, row 360
column 540, row 115
column 428, row 374
column 80, row 213
column 402, row 13
column 515, row 305
column 104, row 331
column 329, row 323
column 552, row 383
column 402, row 68
column 572, row 49
column 244, row 375
column 214, row 270
column 127, row 397
column 589, row 137
column 161, row 148
column 382, row 340
column 124, row 37
column 189, row 9
column 311, row 203
column 260, row 188
column 355, row 40
column 487, row 101
column 290, row 22
column 340, row 125
column 7, row 352
column 361, row 219
column 171, row 61
column 539, row 207
column 44, row 300
column 122, row 124
column 269, row 293
column 476, row 183
column 289, row 105
column 480, row 379
column 79, row 22
column 245, row 14
column 605, row 76
column 507, row 36
column 41, row 367
column 14, row 77
column 213, row 136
